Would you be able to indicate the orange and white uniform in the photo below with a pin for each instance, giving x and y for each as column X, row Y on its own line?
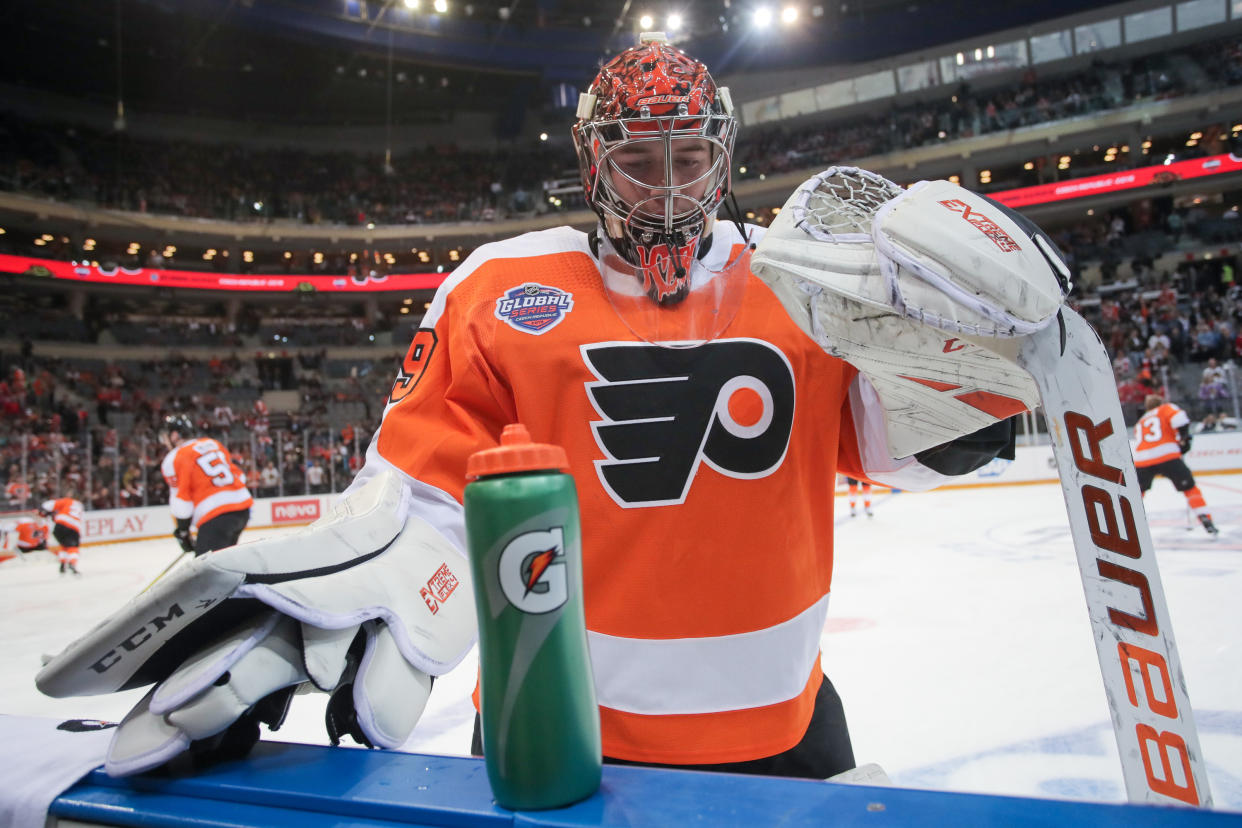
column 22, row 535
column 1156, row 433
column 1158, row 452
column 66, row 512
column 16, row 492
column 705, row 477
column 67, row 517
column 203, row 481
column 30, row 534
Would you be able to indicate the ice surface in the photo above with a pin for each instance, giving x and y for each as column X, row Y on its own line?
column 957, row 637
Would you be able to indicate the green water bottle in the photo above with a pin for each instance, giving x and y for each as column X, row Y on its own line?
column 541, row 741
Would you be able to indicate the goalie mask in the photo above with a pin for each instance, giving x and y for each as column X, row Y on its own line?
column 654, row 139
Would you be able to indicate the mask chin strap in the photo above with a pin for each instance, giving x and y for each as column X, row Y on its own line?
column 735, row 215
column 674, row 240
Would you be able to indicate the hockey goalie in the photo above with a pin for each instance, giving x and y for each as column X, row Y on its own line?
column 707, row 383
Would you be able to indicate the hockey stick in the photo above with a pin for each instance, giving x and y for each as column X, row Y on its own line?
column 165, row 571
column 1152, row 718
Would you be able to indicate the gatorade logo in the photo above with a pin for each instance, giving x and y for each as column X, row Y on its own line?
column 532, row 571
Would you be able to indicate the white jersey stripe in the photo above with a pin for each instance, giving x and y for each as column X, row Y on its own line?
column 1162, row 451
column 180, row 508
column 708, row 675
column 223, row 497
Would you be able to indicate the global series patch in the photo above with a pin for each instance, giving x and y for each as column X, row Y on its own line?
column 534, row 308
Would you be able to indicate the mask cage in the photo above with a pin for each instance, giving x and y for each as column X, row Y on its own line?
column 597, row 141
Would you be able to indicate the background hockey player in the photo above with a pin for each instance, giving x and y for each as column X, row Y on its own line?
column 22, row 535
column 29, row 534
column 206, row 490
column 1163, row 435
column 66, row 514
column 854, row 488
column 705, row 427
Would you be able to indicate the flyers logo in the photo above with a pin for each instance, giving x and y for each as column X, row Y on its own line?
column 414, row 364
column 664, row 411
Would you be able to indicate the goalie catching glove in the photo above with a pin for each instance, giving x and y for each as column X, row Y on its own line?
column 367, row 603
column 922, row 290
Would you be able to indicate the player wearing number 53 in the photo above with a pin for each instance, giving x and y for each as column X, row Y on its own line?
column 206, row 490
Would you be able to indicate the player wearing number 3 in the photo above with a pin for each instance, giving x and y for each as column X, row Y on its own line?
column 206, row 489
column 66, row 515
column 1163, row 435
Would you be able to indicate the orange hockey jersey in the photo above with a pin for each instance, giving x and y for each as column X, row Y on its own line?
column 1156, row 433
column 66, row 511
column 30, row 534
column 203, row 481
column 705, row 477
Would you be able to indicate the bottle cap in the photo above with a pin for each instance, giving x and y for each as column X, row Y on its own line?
column 516, row 453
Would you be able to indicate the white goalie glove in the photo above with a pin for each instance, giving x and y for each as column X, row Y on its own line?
column 902, row 284
column 367, row 603
column 946, row 301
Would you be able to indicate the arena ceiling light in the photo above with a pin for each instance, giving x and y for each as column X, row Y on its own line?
column 762, row 18
column 674, row 22
column 441, row 6
column 412, row 5
column 789, row 15
column 646, row 22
